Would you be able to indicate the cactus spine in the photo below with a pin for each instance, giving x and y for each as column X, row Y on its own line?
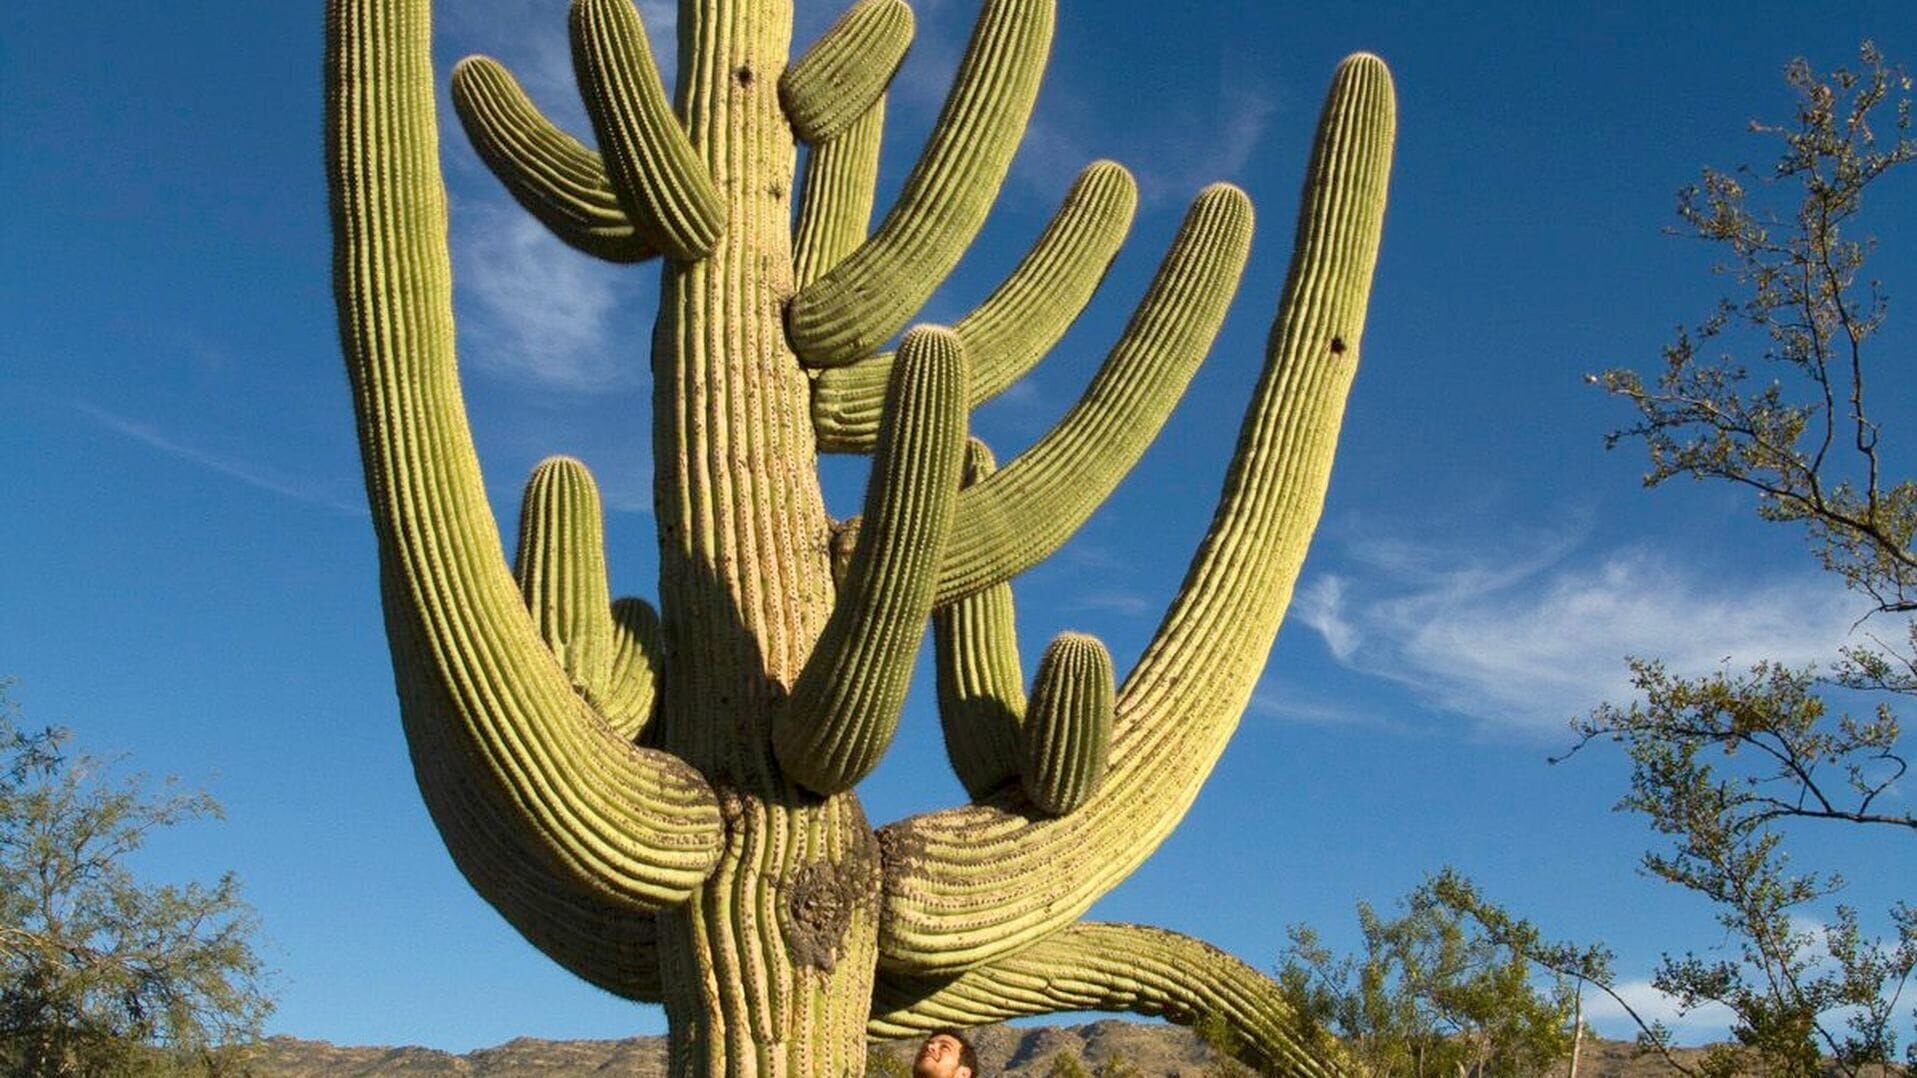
column 662, row 800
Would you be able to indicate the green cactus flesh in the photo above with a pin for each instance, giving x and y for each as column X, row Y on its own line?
column 661, row 798
column 1068, row 728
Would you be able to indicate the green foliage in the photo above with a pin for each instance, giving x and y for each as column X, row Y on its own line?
column 1434, row 992
column 1225, row 1045
column 1066, row 1064
column 1723, row 763
column 104, row 973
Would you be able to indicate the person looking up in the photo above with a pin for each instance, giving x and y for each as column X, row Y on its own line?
column 945, row 1054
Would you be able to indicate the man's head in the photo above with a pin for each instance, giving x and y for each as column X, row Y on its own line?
column 945, row 1054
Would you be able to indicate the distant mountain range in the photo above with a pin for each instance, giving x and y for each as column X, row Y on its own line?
column 1153, row 1050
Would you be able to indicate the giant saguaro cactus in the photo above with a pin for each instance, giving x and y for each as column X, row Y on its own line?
column 664, row 801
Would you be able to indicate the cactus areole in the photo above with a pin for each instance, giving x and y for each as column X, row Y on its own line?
column 663, row 800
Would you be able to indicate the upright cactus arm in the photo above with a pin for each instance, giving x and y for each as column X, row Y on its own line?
column 1016, row 325
column 847, row 314
column 631, row 697
column 493, row 720
column 843, row 75
column 1096, row 966
column 981, row 690
column 1068, row 728
column 611, row 650
column 969, row 886
column 547, row 171
column 661, row 180
column 835, row 204
column 561, row 568
column 845, row 704
column 1026, row 511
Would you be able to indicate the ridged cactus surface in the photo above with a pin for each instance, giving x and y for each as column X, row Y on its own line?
column 663, row 798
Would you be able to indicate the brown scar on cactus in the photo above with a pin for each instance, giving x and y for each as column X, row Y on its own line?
column 662, row 797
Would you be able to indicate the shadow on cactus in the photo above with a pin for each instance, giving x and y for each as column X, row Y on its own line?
column 663, row 801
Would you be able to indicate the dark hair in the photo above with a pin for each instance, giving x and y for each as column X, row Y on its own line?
column 967, row 1057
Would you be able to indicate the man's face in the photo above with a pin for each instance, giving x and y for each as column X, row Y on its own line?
column 939, row 1058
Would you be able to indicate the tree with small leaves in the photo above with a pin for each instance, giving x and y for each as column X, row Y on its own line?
column 1724, row 762
column 102, row 972
column 1434, row 992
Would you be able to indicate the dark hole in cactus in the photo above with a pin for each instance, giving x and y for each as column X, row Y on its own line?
column 743, row 74
column 1337, row 346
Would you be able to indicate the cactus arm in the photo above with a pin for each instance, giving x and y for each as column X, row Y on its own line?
column 845, row 703
column 661, row 180
column 846, row 71
column 835, row 206
column 547, row 171
column 1096, row 966
column 561, row 569
column 1016, row 325
column 1029, row 508
column 610, row 650
column 480, row 691
column 1068, row 729
column 608, row 946
column 631, row 698
column 981, row 690
column 847, row 314
column 968, row 886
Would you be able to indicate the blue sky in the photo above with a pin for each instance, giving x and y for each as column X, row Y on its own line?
column 186, row 566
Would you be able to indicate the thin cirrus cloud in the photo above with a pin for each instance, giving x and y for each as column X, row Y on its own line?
column 1524, row 639
column 253, row 475
column 539, row 311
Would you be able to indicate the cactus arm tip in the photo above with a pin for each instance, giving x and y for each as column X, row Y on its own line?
column 847, row 70
column 559, row 181
column 662, row 183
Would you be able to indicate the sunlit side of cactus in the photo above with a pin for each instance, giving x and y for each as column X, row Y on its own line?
column 663, row 799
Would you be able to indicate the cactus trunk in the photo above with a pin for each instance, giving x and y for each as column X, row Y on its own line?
column 663, row 801
column 773, row 958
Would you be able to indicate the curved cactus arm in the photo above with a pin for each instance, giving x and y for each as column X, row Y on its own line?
column 968, row 886
column 637, row 827
column 602, row 943
column 847, row 314
column 835, row 203
column 561, row 568
column 1068, row 729
column 557, row 180
column 1016, row 325
column 981, row 689
column 661, row 181
column 1026, row 511
column 1097, row 966
column 845, row 704
column 844, row 74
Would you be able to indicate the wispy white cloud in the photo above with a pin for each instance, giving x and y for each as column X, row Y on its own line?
column 1526, row 637
column 1704, row 1023
column 251, row 474
column 1125, row 603
column 542, row 311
